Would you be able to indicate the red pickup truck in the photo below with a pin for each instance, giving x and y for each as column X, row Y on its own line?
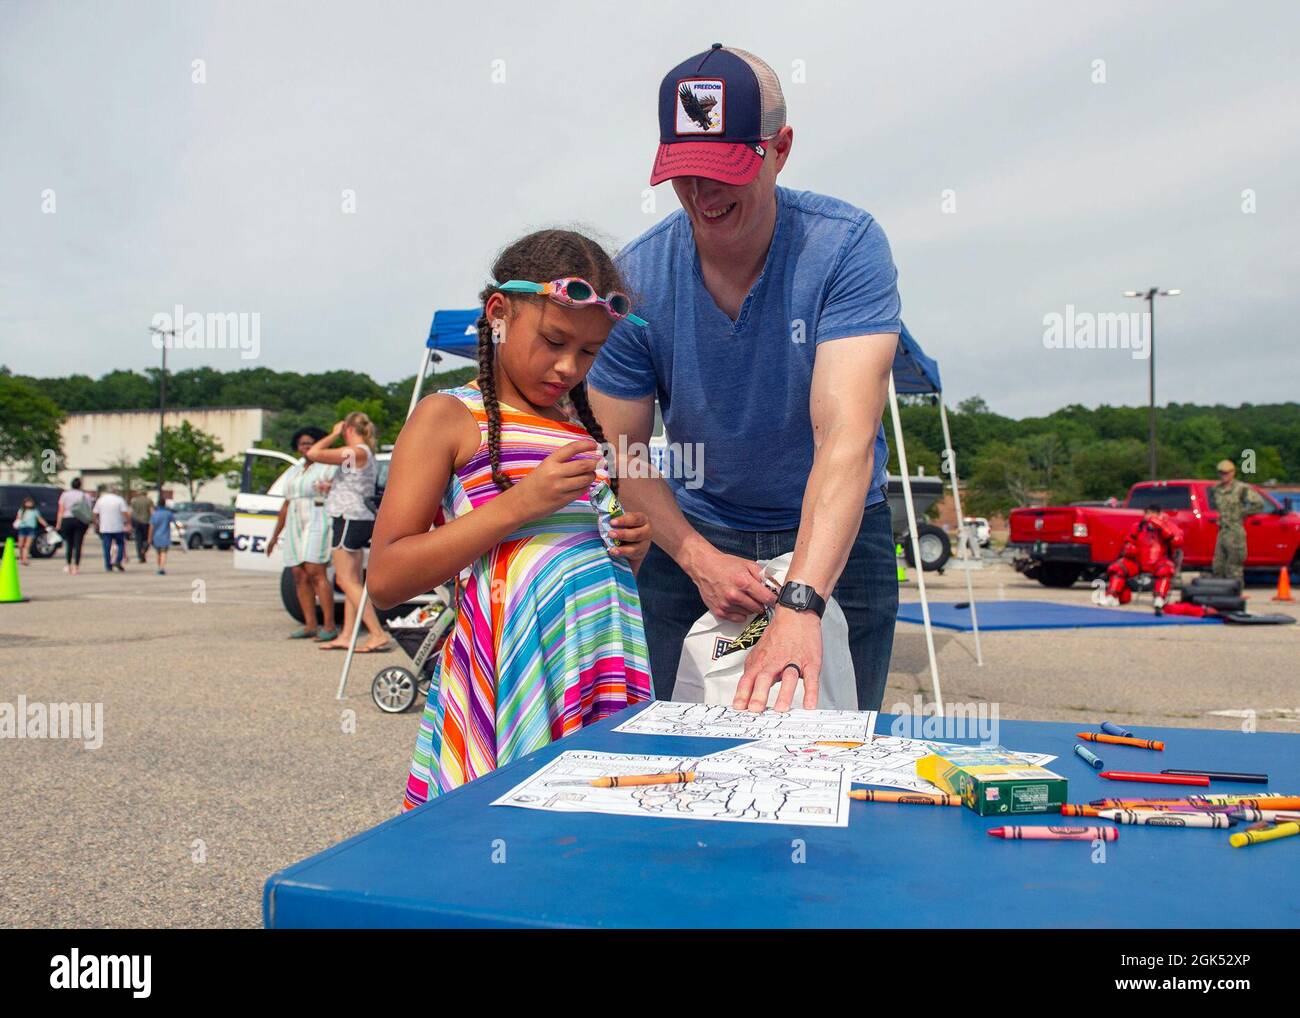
column 1070, row 543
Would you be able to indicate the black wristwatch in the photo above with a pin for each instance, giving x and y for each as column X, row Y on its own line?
column 801, row 598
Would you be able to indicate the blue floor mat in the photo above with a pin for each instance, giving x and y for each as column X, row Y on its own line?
column 994, row 615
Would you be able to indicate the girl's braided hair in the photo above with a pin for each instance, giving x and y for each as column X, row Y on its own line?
column 540, row 257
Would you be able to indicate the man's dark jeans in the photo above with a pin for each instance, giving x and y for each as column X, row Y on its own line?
column 867, row 593
column 114, row 548
column 140, row 531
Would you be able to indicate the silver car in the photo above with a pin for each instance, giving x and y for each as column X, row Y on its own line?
column 206, row 530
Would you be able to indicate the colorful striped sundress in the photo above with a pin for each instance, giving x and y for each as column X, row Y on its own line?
column 548, row 634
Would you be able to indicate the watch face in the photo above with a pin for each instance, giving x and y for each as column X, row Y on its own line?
column 796, row 595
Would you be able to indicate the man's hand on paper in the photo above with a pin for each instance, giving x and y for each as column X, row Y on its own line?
column 791, row 637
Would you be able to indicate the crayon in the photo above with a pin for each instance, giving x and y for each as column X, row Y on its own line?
column 1270, row 815
column 1110, row 729
column 1071, row 810
column 1091, row 759
column 1120, row 740
column 907, row 798
column 1186, row 807
column 1263, row 825
column 1055, row 833
column 1269, row 801
column 1256, row 779
column 621, row 780
column 1243, row 838
column 1152, row 819
column 1262, row 800
column 1158, row 779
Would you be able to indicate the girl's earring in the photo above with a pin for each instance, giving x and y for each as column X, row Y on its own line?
column 498, row 330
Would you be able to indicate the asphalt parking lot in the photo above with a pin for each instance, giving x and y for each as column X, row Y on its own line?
column 225, row 755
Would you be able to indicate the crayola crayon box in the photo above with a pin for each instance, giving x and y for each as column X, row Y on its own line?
column 994, row 782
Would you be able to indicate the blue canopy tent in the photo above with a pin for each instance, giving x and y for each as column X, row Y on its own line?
column 454, row 332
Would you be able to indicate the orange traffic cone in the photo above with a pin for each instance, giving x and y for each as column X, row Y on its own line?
column 1283, row 587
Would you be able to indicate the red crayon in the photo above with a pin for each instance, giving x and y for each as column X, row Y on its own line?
column 1055, row 833
column 1159, row 779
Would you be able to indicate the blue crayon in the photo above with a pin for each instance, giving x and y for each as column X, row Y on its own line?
column 1091, row 759
column 1110, row 729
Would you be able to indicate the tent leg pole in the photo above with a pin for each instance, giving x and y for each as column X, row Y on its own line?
column 964, row 540
column 419, row 382
column 916, row 545
column 365, row 590
column 352, row 642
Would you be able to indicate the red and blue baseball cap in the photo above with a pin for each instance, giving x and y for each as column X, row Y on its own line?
column 717, row 111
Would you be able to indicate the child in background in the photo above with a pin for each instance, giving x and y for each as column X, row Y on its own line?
column 548, row 635
column 160, row 535
column 26, row 523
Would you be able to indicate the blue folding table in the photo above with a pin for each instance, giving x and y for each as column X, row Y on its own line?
column 459, row 861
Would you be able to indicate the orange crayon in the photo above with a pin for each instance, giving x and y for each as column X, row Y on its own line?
column 1121, row 740
column 1071, row 810
column 621, row 780
column 906, row 798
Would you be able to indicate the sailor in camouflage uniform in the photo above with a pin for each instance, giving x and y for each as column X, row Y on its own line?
column 1233, row 500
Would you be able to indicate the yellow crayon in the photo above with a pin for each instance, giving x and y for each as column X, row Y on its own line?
column 1255, row 837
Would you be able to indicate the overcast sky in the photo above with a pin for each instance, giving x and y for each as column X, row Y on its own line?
column 227, row 195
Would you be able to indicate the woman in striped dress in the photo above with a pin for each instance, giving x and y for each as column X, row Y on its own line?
column 548, row 635
column 307, row 536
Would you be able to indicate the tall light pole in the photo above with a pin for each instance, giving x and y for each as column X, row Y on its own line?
column 162, row 335
column 1149, row 296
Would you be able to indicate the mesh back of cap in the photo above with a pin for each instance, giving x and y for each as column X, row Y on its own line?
column 771, row 97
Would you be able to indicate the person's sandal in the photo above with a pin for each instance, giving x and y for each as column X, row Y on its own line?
column 303, row 634
column 325, row 635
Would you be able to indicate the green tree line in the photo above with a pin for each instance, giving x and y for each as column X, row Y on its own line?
column 1072, row 454
column 1081, row 454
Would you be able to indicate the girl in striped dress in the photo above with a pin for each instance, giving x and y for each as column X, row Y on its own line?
column 548, row 636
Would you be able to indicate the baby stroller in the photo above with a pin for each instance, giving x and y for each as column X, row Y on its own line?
column 421, row 634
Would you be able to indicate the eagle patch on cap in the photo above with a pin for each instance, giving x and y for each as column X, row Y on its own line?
column 700, row 105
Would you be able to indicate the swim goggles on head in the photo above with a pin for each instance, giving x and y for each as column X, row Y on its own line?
column 574, row 292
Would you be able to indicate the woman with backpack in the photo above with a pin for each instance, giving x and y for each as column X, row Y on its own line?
column 73, row 519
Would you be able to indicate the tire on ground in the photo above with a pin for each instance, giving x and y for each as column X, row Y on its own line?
column 936, row 548
column 1058, row 574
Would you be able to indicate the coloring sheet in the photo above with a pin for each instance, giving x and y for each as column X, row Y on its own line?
column 763, row 791
column 718, row 722
column 884, row 760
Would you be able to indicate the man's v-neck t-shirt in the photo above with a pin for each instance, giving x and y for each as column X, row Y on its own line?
column 735, row 394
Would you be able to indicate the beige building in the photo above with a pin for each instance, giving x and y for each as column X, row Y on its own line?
column 93, row 441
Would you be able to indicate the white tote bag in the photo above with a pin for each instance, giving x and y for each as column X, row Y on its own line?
column 714, row 653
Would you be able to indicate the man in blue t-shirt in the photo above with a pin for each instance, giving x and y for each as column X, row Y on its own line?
column 774, row 316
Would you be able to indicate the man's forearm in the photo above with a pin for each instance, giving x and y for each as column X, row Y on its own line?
column 833, row 504
column 652, row 496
